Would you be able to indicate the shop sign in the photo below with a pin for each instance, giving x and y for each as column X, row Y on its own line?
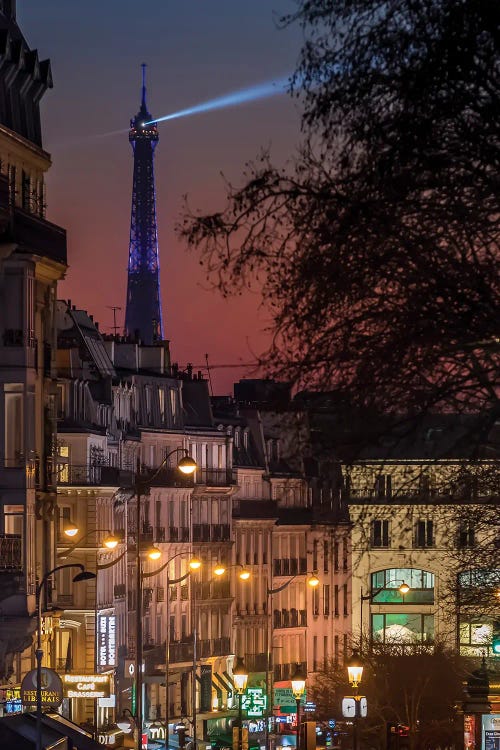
column 106, row 637
column 469, row 731
column 254, row 702
column 110, row 738
column 256, row 726
column 11, row 699
column 284, row 702
column 86, row 685
column 51, row 688
column 156, row 730
column 107, row 702
column 491, row 732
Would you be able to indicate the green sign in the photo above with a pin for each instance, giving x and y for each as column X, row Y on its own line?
column 254, row 702
column 284, row 700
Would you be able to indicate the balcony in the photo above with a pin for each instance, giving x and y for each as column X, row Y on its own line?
column 180, row 652
column 285, row 671
column 214, row 477
column 289, row 566
column 212, row 590
column 205, row 648
column 169, row 476
column 39, row 235
column 256, row 662
column 11, row 553
column 96, row 476
column 289, row 618
column 178, row 534
column 213, row 647
column 205, row 532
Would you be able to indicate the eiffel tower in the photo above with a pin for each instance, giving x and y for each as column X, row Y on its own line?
column 143, row 317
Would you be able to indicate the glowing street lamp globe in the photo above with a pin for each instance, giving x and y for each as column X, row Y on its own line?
column 111, row 541
column 354, row 669
column 298, row 681
column 240, row 675
column 153, row 553
column 187, row 465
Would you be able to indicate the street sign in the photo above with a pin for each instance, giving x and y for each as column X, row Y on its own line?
column 51, row 688
column 284, row 700
column 309, row 706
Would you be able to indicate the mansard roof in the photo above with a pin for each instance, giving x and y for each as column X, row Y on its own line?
column 23, row 79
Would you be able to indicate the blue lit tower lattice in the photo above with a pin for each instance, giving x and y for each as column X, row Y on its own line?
column 143, row 317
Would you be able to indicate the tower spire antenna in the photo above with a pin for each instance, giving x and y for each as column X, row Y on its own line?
column 143, row 98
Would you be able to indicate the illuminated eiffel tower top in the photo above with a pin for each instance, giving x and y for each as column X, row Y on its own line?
column 143, row 316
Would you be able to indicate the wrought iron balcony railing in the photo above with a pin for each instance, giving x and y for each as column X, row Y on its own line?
column 11, row 553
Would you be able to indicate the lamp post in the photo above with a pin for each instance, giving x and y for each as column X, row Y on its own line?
column 298, row 686
column 355, row 672
column 312, row 581
column 83, row 575
column 403, row 590
column 110, row 541
column 240, row 677
column 142, row 484
column 194, row 564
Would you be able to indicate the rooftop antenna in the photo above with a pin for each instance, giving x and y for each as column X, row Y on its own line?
column 114, row 308
column 209, row 376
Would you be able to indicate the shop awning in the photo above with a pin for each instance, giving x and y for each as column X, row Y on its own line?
column 54, row 732
column 226, row 685
column 229, row 679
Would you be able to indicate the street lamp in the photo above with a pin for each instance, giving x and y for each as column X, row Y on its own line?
column 240, row 677
column 355, row 672
column 298, row 686
column 83, row 575
column 194, row 564
column 126, row 721
column 142, row 485
column 71, row 530
column 243, row 575
column 110, row 541
column 403, row 589
column 312, row 581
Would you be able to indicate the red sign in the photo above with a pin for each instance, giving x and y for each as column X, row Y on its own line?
column 469, row 731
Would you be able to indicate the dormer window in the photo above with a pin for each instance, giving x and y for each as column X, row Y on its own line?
column 237, row 438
